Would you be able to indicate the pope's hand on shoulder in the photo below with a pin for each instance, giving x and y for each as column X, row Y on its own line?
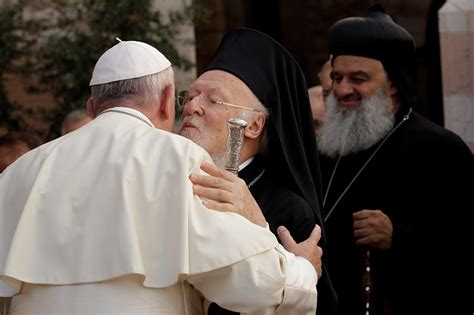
column 223, row 191
column 372, row 228
column 308, row 249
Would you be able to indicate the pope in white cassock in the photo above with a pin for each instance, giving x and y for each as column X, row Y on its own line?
column 104, row 221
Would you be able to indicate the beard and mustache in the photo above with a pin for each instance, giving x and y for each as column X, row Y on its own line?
column 350, row 130
column 203, row 137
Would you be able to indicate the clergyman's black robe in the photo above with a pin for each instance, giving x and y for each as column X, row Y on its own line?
column 279, row 205
column 422, row 178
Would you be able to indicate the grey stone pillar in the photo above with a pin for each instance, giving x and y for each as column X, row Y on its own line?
column 456, row 28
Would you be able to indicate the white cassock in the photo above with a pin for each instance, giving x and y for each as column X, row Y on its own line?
column 104, row 221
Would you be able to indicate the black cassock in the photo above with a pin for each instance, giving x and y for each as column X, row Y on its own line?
column 422, row 178
column 281, row 206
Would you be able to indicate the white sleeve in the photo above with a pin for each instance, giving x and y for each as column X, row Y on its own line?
column 271, row 282
column 9, row 286
column 300, row 295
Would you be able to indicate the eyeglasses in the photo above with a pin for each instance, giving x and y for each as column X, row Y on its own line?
column 183, row 98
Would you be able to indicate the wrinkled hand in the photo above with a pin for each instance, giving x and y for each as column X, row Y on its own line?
column 373, row 228
column 308, row 249
column 224, row 191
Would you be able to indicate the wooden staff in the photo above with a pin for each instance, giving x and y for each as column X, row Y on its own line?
column 367, row 283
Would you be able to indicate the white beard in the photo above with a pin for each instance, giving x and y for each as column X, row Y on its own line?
column 219, row 159
column 204, row 140
column 349, row 130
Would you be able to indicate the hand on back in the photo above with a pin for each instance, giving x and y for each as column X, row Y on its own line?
column 308, row 249
column 224, row 191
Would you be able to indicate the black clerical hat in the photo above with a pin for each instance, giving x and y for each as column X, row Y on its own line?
column 274, row 76
column 376, row 36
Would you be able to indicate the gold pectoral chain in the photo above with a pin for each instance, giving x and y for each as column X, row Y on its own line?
column 256, row 179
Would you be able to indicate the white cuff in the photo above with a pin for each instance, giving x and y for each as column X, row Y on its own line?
column 300, row 295
column 9, row 286
column 299, row 271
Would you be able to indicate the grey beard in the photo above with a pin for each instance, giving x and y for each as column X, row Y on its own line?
column 349, row 130
column 207, row 142
column 204, row 140
column 219, row 159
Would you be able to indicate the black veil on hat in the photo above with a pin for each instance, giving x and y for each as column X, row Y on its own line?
column 376, row 36
column 274, row 76
column 276, row 79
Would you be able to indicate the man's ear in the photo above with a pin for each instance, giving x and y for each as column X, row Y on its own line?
column 90, row 107
column 392, row 89
column 167, row 106
column 393, row 93
column 166, row 109
column 255, row 126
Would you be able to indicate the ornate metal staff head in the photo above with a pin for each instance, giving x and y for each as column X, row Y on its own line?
column 235, row 139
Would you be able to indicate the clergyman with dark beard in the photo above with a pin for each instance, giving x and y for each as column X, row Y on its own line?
column 396, row 205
